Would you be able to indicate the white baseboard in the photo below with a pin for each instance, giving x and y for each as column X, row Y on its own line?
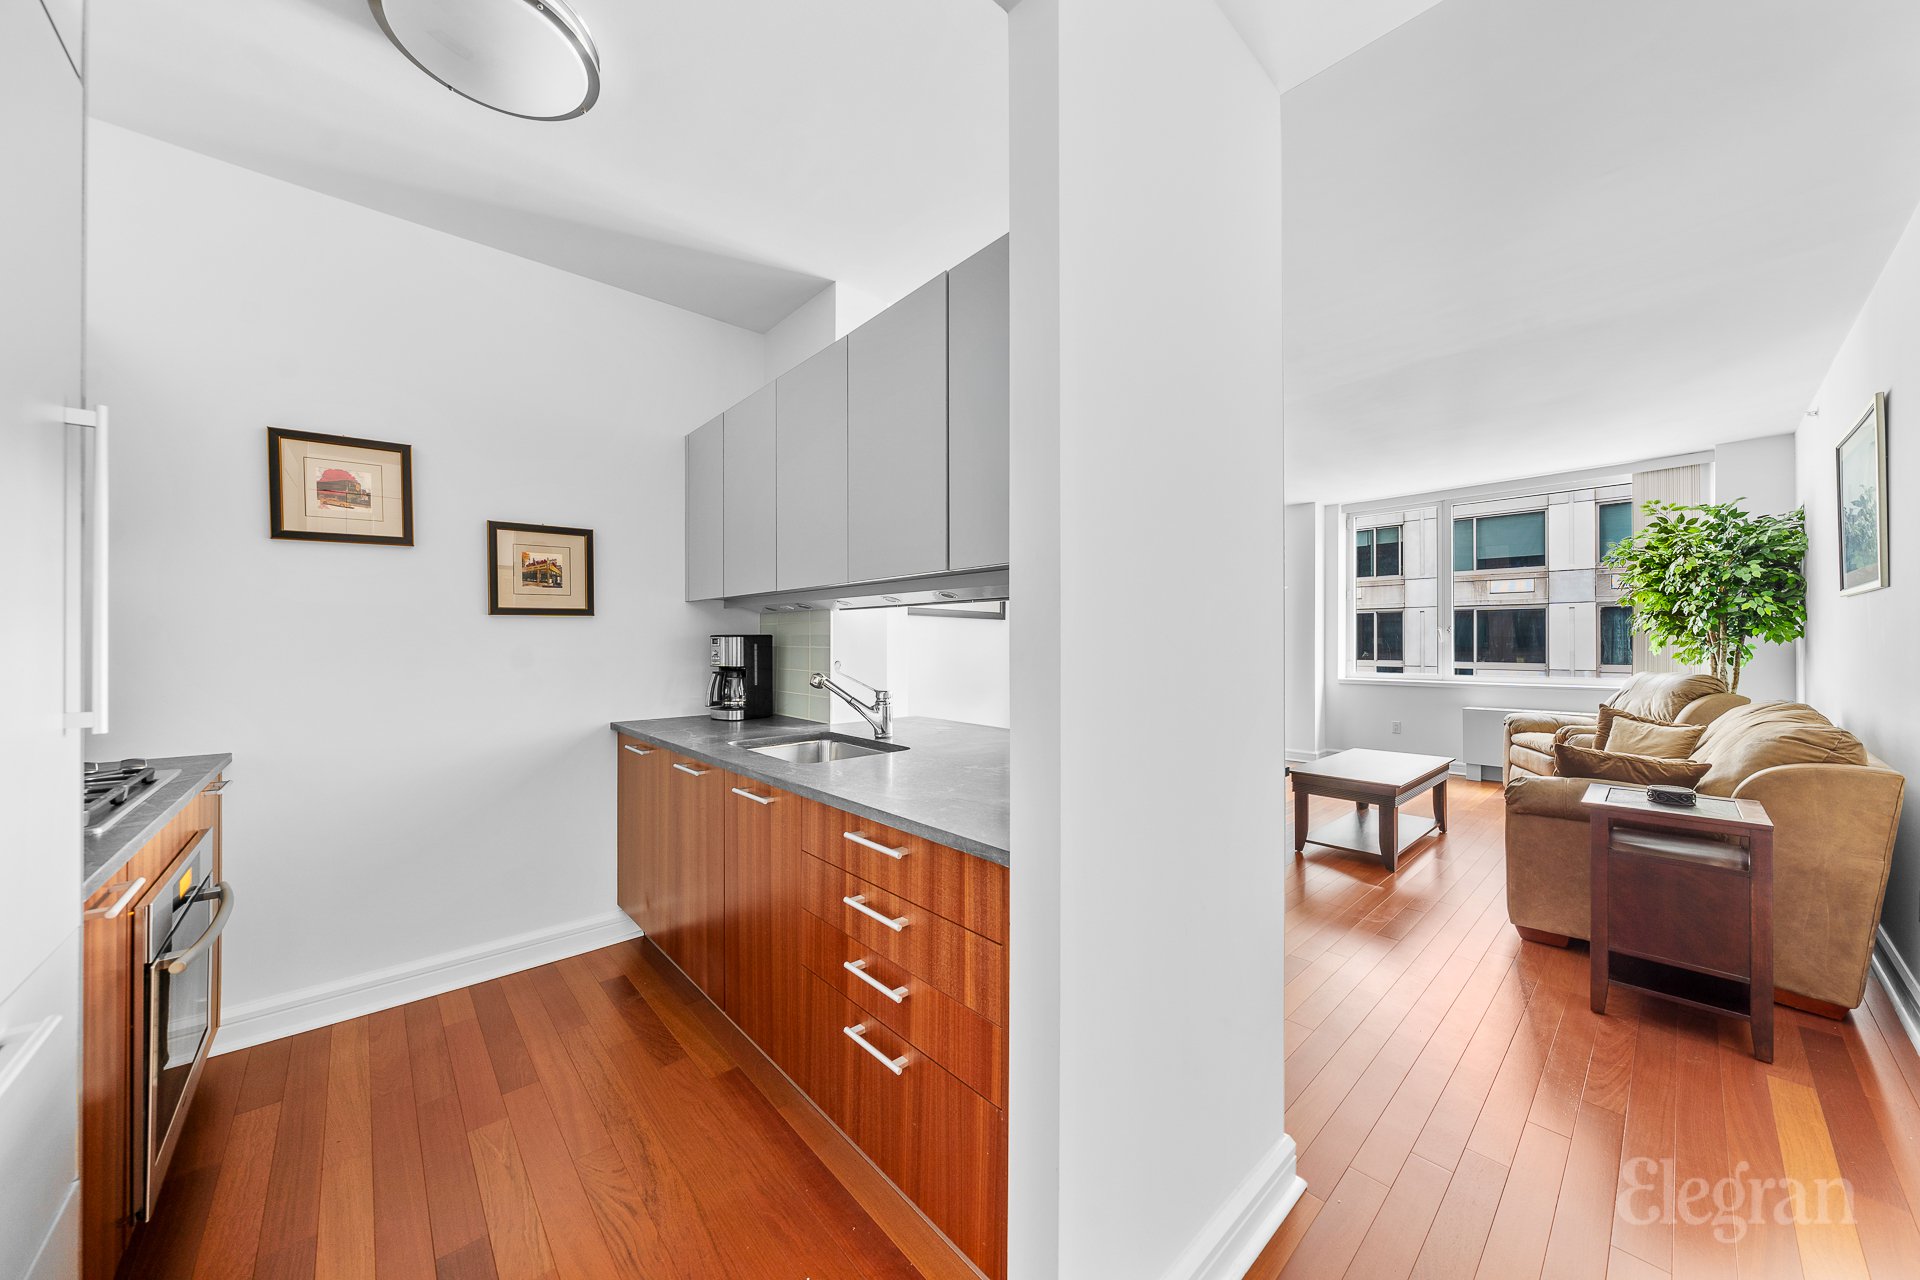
column 258, row 1021
column 1234, row 1236
column 1901, row 986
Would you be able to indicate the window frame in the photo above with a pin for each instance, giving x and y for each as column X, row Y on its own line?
column 1376, row 664
column 1499, row 668
column 1373, row 551
column 1474, row 520
column 1600, row 547
column 1600, row 640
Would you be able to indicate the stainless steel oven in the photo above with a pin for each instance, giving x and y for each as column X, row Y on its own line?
column 176, row 941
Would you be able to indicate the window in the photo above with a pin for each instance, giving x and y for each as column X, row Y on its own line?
column 1516, row 541
column 1379, row 640
column 1616, row 525
column 1616, row 636
column 1499, row 640
column 1376, row 552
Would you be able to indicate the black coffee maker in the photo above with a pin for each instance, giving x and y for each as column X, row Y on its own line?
column 742, row 683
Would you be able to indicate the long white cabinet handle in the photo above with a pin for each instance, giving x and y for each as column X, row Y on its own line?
column 857, row 1034
column 864, row 843
column 859, row 903
column 94, row 511
column 858, row 968
column 739, row 791
column 639, row 751
column 113, row 909
column 698, row 773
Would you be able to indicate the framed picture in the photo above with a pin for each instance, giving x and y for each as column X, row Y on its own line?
column 1860, row 466
column 539, row 569
column 339, row 488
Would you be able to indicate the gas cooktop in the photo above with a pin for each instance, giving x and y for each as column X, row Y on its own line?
column 111, row 789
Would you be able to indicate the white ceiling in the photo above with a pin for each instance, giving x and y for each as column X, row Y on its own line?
column 1526, row 236
column 742, row 154
column 1298, row 39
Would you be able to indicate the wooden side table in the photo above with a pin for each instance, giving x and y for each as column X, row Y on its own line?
column 1683, row 903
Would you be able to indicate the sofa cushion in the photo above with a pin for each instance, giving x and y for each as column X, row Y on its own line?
column 1611, row 766
column 1631, row 736
column 1527, row 760
column 1663, row 695
column 1541, row 742
column 1762, row 735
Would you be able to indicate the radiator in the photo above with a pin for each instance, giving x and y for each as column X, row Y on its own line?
column 1483, row 738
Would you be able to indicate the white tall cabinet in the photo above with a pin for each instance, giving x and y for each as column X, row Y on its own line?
column 40, row 376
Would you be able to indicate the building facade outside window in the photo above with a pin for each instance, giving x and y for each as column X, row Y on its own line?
column 1519, row 595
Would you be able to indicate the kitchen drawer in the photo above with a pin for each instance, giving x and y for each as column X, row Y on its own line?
column 960, row 1040
column 942, row 1144
column 959, row 886
column 966, row 966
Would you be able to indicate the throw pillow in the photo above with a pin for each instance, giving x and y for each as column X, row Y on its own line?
column 1632, row 736
column 1608, row 766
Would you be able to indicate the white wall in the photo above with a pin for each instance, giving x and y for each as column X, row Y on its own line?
column 1759, row 474
column 1858, row 654
column 1147, row 1103
column 412, row 776
column 957, row 667
column 813, row 327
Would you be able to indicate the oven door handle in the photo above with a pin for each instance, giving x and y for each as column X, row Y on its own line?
column 177, row 961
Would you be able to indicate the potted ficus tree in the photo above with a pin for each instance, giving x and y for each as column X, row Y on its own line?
column 1706, row 582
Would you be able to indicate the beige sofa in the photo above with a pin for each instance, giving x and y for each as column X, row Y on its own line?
column 1675, row 697
column 1835, row 810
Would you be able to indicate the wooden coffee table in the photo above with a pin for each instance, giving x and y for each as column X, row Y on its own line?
column 1378, row 783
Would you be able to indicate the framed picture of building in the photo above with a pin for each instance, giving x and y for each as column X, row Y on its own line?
column 339, row 488
column 539, row 569
column 1860, row 468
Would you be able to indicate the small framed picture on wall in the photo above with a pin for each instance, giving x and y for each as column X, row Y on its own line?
column 339, row 488
column 1860, row 466
column 539, row 569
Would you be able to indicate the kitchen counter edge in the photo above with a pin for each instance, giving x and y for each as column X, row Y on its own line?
column 105, row 854
column 736, row 760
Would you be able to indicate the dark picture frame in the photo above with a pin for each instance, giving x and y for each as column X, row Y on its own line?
column 540, row 572
column 1861, row 517
column 291, row 525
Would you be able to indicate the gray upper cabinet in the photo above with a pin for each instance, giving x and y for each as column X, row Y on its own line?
column 897, row 439
column 977, row 409
column 748, row 494
column 704, row 530
column 810, row 472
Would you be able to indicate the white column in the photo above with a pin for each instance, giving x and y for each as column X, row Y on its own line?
column 1147, row 685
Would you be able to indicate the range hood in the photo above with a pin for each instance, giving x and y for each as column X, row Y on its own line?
column 988, row 584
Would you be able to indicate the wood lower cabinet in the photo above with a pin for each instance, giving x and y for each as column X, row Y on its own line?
column 762, row 966
column 110, row 1072
column 642, row 826
column 747, row 889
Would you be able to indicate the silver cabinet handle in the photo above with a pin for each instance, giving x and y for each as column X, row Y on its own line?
column 94, row 507
column 750, row 796
column 858, row 968
column 113, row 910
column 177, row 962
column 639, row 751
column 218, row 788
column 859, row 903
column 864, row 843
column 698, row 773
column 857, row 1034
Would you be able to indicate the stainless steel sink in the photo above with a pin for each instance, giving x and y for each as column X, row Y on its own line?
column 820, row 748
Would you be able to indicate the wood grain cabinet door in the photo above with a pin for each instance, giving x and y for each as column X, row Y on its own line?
column 761, row 936
column 694, row 883
column 642, row 828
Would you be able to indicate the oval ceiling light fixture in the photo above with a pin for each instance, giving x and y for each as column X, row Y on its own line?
column 527, row 58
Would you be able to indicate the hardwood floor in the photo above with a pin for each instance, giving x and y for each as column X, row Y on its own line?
column 592, row 1118
column 1461, row 1113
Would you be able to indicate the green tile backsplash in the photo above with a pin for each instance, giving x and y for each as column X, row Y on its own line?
column 801, row 646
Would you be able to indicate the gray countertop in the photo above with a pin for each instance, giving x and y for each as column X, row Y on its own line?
column 109, row 851
column 950, row 785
